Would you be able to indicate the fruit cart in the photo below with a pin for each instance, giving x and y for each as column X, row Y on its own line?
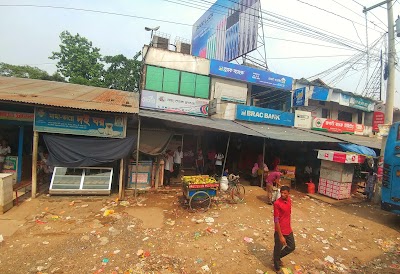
column 198, row 190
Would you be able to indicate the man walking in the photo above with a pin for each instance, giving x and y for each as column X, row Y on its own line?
column 284, row 239
column 178, row 155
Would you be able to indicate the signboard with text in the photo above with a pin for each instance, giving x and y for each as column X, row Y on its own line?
column 299, row 97
column 250, row 75
column 334, row 126
column 86, row 123
column 16, row 116
column 264, row 115
column 378, row 117
column 302, row 119
column 361, row 103
column 173, row 103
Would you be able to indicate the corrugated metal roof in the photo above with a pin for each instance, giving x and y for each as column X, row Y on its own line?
column 287, row 133
column 354, row 139
column 57, row 94
column 216, row 124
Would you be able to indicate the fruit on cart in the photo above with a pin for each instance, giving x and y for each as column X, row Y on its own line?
column 198, row 179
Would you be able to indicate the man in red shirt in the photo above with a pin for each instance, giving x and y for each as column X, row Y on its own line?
column 284, row 239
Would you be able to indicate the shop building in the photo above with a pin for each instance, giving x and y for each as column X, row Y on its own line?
column 80, row 131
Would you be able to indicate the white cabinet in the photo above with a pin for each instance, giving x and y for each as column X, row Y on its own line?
column 82, row 180
column 6, row 192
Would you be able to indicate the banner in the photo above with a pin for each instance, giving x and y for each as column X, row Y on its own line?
column 333, row 126
column 173, row 103
column 80, row 123
column 299, row 97
column 340, row 157
column 264, row 115
column 16, row 116
column 250, row 75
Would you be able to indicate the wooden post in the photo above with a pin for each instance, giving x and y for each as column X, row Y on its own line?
column 263, row 159
column 226, row 154
column 34, row 162
column 161, row 172
column 121, row 192
column 157, row 175
column 137, row 155
column 20, row 153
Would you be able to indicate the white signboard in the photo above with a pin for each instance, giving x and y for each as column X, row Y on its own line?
column 302, row 119
column 173, row 103
column 232, row 93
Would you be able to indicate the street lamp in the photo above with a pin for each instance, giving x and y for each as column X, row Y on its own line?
column 152, row 30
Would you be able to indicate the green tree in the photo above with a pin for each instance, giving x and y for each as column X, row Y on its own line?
column 78, row 60
column 122, row 73
column 28, row 72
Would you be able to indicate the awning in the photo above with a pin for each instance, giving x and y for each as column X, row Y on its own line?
column 287, row 133
column 354, row 139
column 205, row 122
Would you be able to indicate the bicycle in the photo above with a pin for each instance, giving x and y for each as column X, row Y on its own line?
column 235, row 190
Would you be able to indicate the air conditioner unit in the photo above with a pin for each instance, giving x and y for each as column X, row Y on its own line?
column 183, row 47
column 160, row 42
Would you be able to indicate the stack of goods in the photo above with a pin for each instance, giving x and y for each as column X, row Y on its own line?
column 199, row 181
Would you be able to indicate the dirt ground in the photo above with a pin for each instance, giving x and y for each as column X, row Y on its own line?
column 156, row 233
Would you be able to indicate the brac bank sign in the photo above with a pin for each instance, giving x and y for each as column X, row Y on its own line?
column 264, row 115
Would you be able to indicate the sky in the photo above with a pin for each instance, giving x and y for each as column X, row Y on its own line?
column 29, row 34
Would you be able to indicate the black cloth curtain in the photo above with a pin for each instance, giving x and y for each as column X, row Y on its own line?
column 86, row 151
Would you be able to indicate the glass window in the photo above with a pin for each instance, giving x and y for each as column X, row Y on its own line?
column 202, row 86
column 325, row 113
column 96, row 178
column 67, row 178
column 345, row 116
column 171, row 81
column 154, row 78
column 398, row 132
column 188, row 84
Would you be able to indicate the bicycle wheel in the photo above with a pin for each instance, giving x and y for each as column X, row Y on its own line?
column 200, row 200
column 238, row 192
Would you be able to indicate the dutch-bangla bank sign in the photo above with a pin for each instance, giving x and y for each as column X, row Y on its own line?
column 264, row 115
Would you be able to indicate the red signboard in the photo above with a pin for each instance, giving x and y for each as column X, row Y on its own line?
column 16, row 116
column 333, row 125
column 377, row 119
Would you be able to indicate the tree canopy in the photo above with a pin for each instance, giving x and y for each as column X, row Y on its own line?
column 28, row 72
column 82, row 63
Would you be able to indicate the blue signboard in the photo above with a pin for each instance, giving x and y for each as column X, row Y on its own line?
column 320, row 93
column 250, row 75
column 299, row 97
column 80, row 123
column 264, row 115
column 227, row 30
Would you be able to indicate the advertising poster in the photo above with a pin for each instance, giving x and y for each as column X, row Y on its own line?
column 173, row 103
column 299, row 97
column 378, row 117
column 227, row 30
column 302, row 119
column 320, row 94
column 80, row 123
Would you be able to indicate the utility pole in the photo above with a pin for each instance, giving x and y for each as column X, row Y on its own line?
column 390, row 84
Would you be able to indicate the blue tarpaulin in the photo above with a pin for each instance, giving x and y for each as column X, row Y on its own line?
column 358, row 149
